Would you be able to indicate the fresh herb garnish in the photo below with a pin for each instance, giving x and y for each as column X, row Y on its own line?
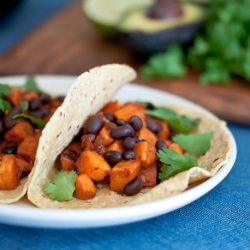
column 38, row 122
column 174, row 163
column 31, row 84
column 4, row 89
column 5, row 105
column 168, row 64
column 196, row 144
column 24, row 105
column 181, row 123
column 148, row 105
column 62, row 187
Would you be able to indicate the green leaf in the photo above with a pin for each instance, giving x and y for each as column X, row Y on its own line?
column 24, row 105
column 62, row 187
column 174, row 163
column 31, row 84
column 197, row 144
column 38, row 122
column 5, row 105
column 168, row 64
column 4, row 89
column 181, row 123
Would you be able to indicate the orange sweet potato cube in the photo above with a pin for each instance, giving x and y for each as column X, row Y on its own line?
column 164, row 134
column 123, row 173
column 176, row 147
column 85, row 187
column 111, row 107
column 116, row 146
column 148, row 175
column 93, row 165
column 21, row 130
column 147, row 135
column 9, row 176
column 105, row 133
column 145, row 152
column 15, row 96
column 130, row 109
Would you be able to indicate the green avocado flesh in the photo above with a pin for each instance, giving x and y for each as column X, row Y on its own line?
column 110, row 12
column 138, row 21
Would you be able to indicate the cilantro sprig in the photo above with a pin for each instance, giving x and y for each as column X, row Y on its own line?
column 38, row 122
column 5, row 105
column 62, row 187
column 4, row 89
column 31, row 84
column 174, row 163
column 181, row 123
column 196, row 144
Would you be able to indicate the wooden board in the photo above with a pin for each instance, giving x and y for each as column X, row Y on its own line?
column 69, row 44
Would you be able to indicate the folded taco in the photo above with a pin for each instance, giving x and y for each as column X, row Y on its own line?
column 97, row 152
column 24, row 111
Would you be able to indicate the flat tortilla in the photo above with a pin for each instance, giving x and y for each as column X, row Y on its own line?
column 65, row 124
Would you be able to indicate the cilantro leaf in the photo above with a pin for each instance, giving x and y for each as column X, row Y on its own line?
column 5, row 105
column 38, row 122
column 197, row 144
column 168, row 64
column 174, row 163
column 24, row 105
column 4, row 89
column 62, row 187
column 181, row 123
column 31, row 84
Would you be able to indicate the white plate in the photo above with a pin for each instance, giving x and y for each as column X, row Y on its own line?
column 23, row 213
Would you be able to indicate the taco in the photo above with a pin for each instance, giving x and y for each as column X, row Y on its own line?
column 24, row 111
column 97, row 153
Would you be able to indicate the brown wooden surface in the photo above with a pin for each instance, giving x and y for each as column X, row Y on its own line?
column 69, row 44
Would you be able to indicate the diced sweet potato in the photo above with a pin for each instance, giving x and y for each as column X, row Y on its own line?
column 176, row 147
column 68, row 159
column 145, row 152
column 105, row 133
column 27, row 148
column 21, row 130
column 23, row 166
column 15, row 96
column 147, row 135
column 30, row 95
column 111, row 107
column 123, row 173
column 130, row 109
column 9, row 176
column 148, row 175
column 93, row 165
column 116, row 146
column 55, row 103
column 85, row 187
column 168, row 142
column 164, row 134
column 87, row 142
column 99, row 145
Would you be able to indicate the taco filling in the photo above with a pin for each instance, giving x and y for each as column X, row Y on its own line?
column 127, row 148
column 24, row 111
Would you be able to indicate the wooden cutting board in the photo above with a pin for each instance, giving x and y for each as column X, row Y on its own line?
column 69, row 44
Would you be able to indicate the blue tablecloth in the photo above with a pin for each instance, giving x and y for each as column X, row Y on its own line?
column 219, row 220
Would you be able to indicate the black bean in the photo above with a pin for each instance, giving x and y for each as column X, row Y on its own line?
column 1, row 114
column 172, row 132
column 113, row 157
column 122, row 132
column 109, row 116
column 153, row 126
column 136, row 122
column 34, row 104
column 60, row 98
column 69, row 154
column 39, row 113
column 95, row 124
column 134, row 187
column 128, row 155
column 45, row 98
column 10, row 149
column 121, row 122
column 129, row 142
column 160, row 145
column 1, row 126
column 9, row 122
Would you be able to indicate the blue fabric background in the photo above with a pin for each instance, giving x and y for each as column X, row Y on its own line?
column 219, row 220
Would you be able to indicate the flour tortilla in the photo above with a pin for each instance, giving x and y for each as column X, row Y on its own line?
column 57, row 135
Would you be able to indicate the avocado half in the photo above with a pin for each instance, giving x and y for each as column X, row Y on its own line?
column 148, row 35
column 106, row 14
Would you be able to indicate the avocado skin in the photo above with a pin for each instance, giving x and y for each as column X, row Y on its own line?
column 146, row 44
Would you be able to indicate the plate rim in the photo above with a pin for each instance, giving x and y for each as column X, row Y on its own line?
column 52, row 218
